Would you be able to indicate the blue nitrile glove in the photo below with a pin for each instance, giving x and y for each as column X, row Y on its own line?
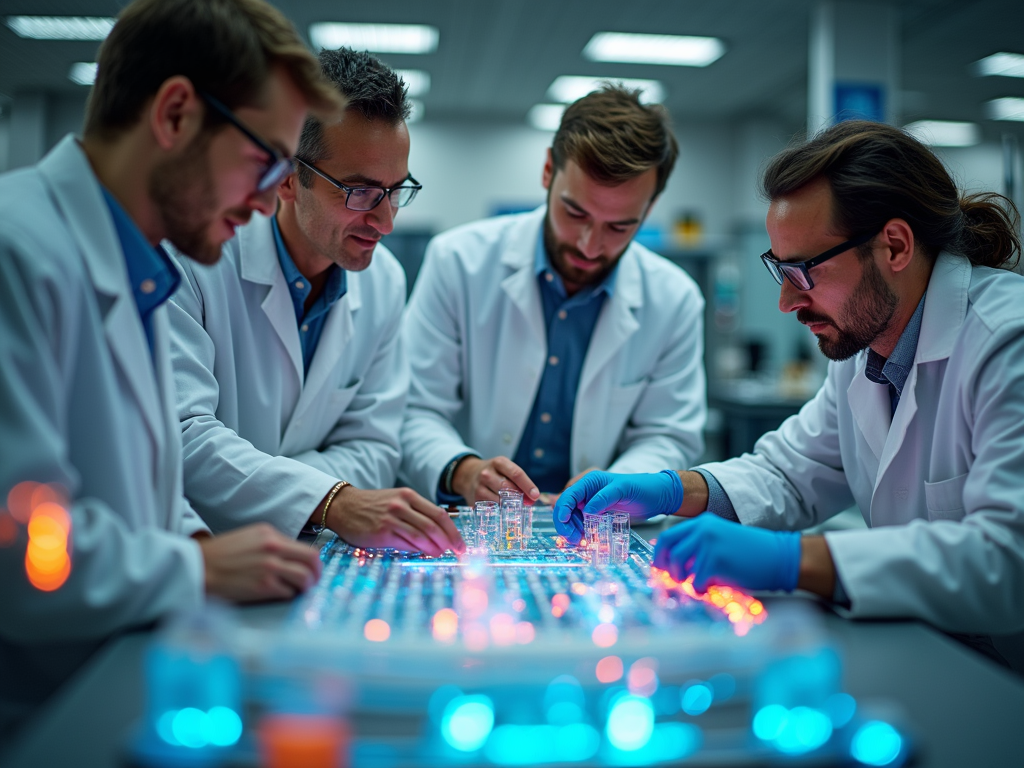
column 642, row 496
column 718, row 551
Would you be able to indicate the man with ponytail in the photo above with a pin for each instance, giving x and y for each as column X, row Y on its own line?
column 906, row 284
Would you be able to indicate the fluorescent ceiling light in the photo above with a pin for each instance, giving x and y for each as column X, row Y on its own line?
column 1006, row 64
column 545, row 117
column 417, row 80
column 1007, row 108
column 83, row 72
column 569, row 88
column 377, row 38
column 416, row 111
column 678, row 50
column 61, row 27
column 945, row 133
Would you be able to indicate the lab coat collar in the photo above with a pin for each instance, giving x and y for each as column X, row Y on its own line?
column 79, row 197
column 945, row 307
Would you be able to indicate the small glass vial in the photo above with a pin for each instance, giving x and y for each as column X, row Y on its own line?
column 597, row 529
column 620, row 537
column 488, row 525
column 511, row 506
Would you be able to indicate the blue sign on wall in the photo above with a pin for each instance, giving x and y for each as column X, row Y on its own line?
column 859, row 101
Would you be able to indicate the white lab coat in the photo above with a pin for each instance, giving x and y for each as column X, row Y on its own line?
column 83, row 405
column 477, row 343
column 263, row 442
column 942, row 487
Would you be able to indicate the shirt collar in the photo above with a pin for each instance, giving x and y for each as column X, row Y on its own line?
column 542, row 266
column 337, row 283
column 151, row 274
column 896, row 369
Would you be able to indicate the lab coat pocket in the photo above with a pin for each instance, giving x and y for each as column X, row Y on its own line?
column 945, row 499
column 341, row 398
column 621, row 402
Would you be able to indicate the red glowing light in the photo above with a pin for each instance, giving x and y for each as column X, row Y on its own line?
column 377, row 630
column 19, row 501
column 525, row 632
column 8, row 529
column 643, row 677
column 609, row 669
column 605, row 635
column 742, row 610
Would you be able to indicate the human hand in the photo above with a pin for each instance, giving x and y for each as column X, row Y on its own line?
column 717, row 551
column 256, row 563
column 396, row 517
column 478, row 480
column 641, row 495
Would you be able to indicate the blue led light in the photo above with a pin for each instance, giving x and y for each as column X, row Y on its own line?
column 769, row 722
column 189, row 728
column 224, row 726
column 840, row 708
column 564, row 713
column 576, row 742
column 876, row 743
column 467, row 722
column 522, row 744
column 806, row 729
column 696, row 699
column 630, row 723
column 724, row 685
column 674, row 741
column 164, row 729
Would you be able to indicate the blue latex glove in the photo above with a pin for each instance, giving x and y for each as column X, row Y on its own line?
column 718, row 551
column 642, row 496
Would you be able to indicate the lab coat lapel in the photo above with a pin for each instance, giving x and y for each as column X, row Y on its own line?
column 871, row 410
column 616, row 323
column 260, row 265
column 78, row 195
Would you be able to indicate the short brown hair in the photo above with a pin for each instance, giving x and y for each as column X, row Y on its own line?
column 227, row 48
column 612, row 137
column 877, row 173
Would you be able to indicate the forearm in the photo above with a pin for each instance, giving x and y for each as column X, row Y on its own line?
column 695, row 494
column 817, row 570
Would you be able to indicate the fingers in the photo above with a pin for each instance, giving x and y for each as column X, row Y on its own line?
column 435, row 523
column 295, row 576
column 514, row 473
column 667, row 540
column 604, row 499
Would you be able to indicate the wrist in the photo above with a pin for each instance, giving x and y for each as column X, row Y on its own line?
column 817, row 570
column 335, row 517
column 695, row 493
column 676, row 492
column 462, row 476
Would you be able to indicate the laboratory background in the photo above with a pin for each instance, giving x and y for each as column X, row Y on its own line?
column 489, row 81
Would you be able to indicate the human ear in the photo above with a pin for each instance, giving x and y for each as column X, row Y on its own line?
column 175, row 113
column 549, row 171
column 898, row 238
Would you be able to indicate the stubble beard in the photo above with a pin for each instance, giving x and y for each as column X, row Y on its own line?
column 559, row 252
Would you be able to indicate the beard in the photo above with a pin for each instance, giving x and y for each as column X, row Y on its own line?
column 863, row 318
column 559, row 253
column 182, row 189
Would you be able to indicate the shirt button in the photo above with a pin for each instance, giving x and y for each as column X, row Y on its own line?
column 147, row 286
column 305, row 327
column 562, row 314
column 553, row 360
column 538, row 452
column 507, row 437
column 548, row 276
column 545, row 418
column 299, row 284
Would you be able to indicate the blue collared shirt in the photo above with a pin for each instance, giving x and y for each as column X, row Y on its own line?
column 893, row 372
column 151, row 273
column 544, row 448
column 311, row 323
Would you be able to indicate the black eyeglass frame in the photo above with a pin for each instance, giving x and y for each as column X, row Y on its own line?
column 789, row 269
column 278, row 167
column 385, row 192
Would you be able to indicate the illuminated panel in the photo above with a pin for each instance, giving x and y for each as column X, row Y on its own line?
column 743, row 610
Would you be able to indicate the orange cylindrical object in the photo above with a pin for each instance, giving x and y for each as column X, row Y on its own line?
column 304, row 741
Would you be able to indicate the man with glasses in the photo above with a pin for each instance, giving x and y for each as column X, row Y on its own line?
column 550, row 342
column 920, row 422
column 289, row 369
column 86, row 395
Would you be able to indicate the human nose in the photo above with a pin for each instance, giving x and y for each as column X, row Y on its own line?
column 382, row 218
column 265, row 202
column 792, row 298
column 589, row 241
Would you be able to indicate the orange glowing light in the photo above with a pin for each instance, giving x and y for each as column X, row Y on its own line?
column 19, row 501
column 561, row 600
column 561, row 542
column 445, row 625
column 475, row 636
column 525, row 633
column 579, row 588
column 503, row 629
column 47, row 562
column 474, row 600
column 307, row 740
column 609, row 669
column 742, row 610
column 376, row 630
column 605, row 635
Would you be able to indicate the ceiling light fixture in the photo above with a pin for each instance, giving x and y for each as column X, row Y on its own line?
column 83, row 72
column 1005, row 64
column 545, row 117
column 945, row 133
column 568, row 88
column 376, row 38
column 635, row 48
column 61, row 27
column 1006, row 108
column 416, row 80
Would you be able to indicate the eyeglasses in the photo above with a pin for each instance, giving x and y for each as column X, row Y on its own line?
column 799, row 272
column 278, row 166
column 368, row 198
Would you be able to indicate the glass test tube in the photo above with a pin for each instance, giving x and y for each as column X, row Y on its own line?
column 511, row 507
column 597, row 529
column 527, row 525
column 488, row 525
column 620, row 537
column 468, row 526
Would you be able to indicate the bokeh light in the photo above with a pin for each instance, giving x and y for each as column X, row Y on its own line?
column 224, row 726
column 525, row 632
column 376, row 630
column 643, row 677
column 47, row 561
column 609, row 669
column 742, row 610
column 792, row 731
column 605, row 635
column 503, row 629
column 876, row 743
column 630, row 723
column 8, row 528
column 467, row 722
column 445, row 625
column 696, row 698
